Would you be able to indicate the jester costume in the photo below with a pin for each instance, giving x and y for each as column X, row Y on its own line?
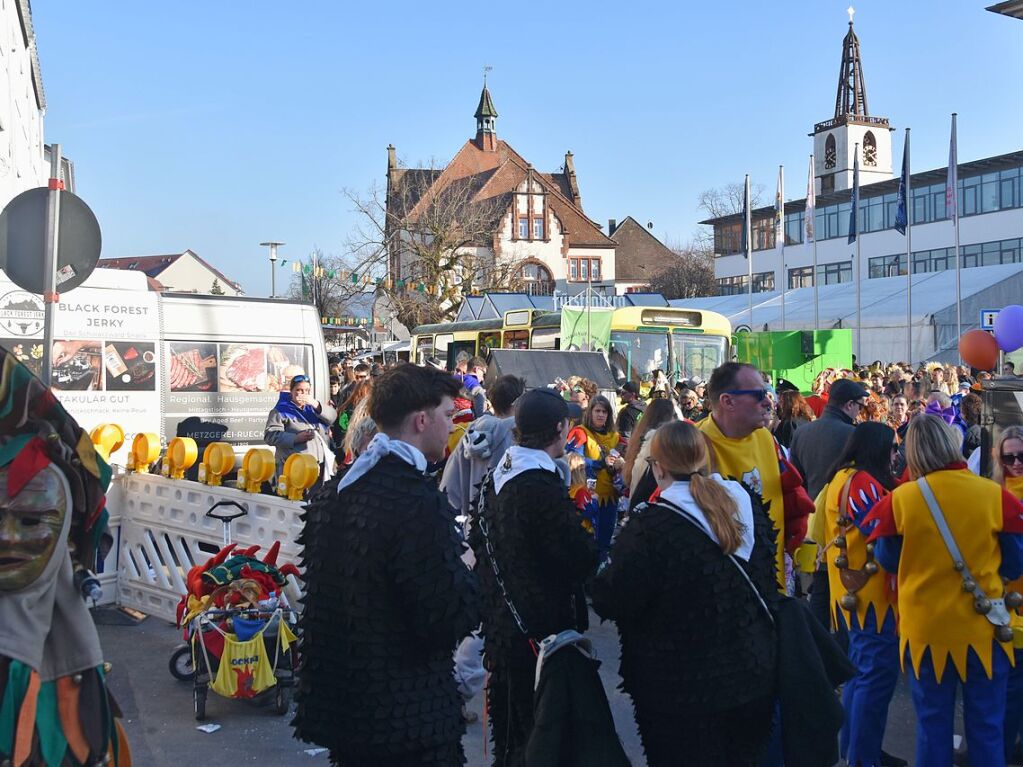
column 757, row 462
column 870, row 623
column 55, row 708
column 938, row 624
column 595, row 447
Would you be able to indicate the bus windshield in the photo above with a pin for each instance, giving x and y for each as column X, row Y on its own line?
column 633, row 356
column 697, row 356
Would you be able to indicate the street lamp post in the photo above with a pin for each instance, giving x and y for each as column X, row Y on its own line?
column 273, row 263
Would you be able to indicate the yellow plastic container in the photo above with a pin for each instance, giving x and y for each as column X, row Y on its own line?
column 217, row 461
column 145, row 449
column 107, row 438
column 300, row 473
column 181, row 454
column 257, row 468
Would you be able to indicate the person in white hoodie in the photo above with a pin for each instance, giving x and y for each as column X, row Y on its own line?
column 479, row 451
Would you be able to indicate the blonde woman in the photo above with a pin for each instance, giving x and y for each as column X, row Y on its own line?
column 698, row 647
column 951, row 635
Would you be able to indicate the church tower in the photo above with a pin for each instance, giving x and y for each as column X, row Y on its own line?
column 486, row 122
column 834, row 140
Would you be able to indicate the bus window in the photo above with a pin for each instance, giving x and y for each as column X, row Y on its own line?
column 634, row 356
column 460, row 349
column 546, row 338
column 489, row 340
column 697, row 356
column 440, row 346
column 516, row 339
column 424, row 349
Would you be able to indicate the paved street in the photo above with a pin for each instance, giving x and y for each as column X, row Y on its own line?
column 158, row 709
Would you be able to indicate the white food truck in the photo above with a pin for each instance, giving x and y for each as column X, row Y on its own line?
column 147, row 360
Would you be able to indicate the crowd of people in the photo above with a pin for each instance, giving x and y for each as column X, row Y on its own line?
column 766, row 557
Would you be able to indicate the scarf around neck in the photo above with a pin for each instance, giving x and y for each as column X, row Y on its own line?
column 681, row 495
column 518, row 460
column 380, row 446
column 307, row 413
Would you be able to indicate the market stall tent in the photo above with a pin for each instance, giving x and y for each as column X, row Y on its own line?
column 882, row 310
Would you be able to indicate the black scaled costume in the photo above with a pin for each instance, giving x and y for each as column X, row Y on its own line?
column 544, row 555
column 698, row 649
column 387, row 598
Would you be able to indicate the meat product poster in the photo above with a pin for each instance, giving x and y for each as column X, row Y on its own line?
column 232, row 385
column 104, row 354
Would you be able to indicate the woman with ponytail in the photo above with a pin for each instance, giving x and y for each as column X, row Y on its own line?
column 685, row 584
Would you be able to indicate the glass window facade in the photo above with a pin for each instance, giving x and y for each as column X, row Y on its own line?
column 829, row 274
column 936, row 260
column 979, row 194
column 763, row 282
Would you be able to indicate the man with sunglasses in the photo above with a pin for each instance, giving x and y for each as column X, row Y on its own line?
column 744, row 450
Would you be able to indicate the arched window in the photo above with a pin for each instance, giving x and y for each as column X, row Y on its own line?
column 830, row 152
column 869, row 149
column 535, row 278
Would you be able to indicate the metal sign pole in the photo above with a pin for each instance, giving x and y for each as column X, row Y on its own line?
column 50, row 297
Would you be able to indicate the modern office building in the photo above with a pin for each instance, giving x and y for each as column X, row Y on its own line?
column 990, row 194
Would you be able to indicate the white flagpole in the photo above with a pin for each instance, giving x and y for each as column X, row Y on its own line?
column 748, row 204
column 954, row 163
column 909, row 256
column 856, row 269
column 811, row 227
column 780, row 234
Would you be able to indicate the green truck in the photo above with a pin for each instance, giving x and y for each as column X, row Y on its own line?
column 795, row 355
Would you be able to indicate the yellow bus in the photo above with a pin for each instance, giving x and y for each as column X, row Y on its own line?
column 683, row 343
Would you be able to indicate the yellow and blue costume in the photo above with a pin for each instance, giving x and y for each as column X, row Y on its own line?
column 937, row 620
column 595, row 446
column 871, row 624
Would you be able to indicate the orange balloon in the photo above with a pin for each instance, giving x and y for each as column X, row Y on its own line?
column 979, row 349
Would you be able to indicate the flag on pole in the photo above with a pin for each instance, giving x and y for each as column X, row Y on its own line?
column 853, row 221
column 747, row 220
column 811, row 203
column 902, row 212
column 779, row 208
column 952, row 183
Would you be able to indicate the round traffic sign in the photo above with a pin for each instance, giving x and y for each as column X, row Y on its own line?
column 23, row 241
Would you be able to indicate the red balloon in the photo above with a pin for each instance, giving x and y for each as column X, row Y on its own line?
column 979, row 349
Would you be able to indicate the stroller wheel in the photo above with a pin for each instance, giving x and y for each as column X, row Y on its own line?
column 180, row 664
column 199, row 703
column 282, row 699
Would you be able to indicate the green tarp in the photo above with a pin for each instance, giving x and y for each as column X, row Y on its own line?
column 586, row 329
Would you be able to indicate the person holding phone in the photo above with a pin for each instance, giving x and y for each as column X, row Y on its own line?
column 300, row 424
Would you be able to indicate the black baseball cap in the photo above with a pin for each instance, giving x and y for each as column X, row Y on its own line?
column 845, row 390
column 631, row 387
column 541, row 410
column 785, row 385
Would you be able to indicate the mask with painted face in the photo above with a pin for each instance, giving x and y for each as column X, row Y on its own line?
column 31, row 527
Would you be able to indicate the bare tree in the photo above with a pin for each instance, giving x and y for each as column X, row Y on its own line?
column 324, row 281
column 727, row 200
column 689, row 275
column 432, row 245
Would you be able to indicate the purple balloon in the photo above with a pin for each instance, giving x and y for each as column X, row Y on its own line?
column 1009, row 328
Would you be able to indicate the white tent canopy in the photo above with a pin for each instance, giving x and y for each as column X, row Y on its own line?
column 882, row 310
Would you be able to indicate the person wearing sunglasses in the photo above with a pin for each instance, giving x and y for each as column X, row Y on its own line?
column 747, row 452
column 300, row 424
column 1007, row 470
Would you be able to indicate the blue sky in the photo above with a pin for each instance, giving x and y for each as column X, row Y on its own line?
column 217, row 125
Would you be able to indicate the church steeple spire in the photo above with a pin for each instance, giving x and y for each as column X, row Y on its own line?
column 851, row 99
column 486, row 119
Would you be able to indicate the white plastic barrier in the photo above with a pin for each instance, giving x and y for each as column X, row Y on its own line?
column 107, row 570
column 162, row 523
